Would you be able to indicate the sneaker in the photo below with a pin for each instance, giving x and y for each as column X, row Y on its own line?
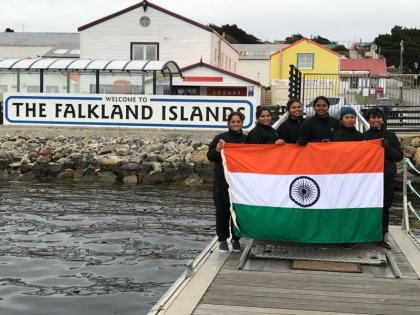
column 223, row 247
column 384, row 245
column 236, row 246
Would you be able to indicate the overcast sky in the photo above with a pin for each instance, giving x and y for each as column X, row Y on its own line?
column 342, row 21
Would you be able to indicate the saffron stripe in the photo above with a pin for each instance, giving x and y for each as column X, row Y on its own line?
column 314, row 158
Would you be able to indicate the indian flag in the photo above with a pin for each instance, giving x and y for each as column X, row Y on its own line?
column 321, row 193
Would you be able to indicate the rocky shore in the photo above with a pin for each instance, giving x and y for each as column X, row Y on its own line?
column 105, row 155
column 131, row 156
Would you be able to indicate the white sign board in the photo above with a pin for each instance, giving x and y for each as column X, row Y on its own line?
column 104, row 110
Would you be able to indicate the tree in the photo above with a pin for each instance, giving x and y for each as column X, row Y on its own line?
column 9, row 30
column 235, row 35
column 322, row 40
column 293, row 38
column 389, row 46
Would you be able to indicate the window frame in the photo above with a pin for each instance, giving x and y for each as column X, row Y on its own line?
column 132, row 44
column 305, row 68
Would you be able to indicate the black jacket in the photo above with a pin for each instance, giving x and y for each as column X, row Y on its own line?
column 347, row 134
column 317, row 129
column 289, row 129
column 214, row 156
column 262, row 134
column 393, row 152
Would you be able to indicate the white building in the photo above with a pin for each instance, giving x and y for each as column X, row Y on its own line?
column 148, row 32
column 207, row 80
column 254, row 61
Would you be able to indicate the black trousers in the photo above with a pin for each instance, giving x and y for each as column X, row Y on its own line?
column 388, row 197
column 222, row 205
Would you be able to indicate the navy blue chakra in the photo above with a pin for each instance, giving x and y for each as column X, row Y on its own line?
column 304, row 191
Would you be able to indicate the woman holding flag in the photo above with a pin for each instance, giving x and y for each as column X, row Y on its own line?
column 321, row 126
column 347, row 131
column 289, row 129
column 263, row 133
column 220, row 186
column 393, row 153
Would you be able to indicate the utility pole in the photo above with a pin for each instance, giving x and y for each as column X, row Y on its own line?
column 401, row 55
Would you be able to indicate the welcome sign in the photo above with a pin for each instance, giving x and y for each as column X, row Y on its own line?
column 159, row 111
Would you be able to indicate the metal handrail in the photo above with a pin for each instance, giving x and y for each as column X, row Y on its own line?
column 281, row 119
column 406, row 204
column 361, row 123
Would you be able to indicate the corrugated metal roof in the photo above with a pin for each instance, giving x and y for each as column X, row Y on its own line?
column 374, row 66
column 257, row 51
column 39, row 39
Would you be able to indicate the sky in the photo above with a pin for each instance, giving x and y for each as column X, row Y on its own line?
column 341, row 21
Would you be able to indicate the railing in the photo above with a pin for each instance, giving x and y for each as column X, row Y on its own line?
column 407, row 205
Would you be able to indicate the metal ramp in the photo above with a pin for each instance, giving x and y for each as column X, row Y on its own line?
column 360, row 254
column 415, row 237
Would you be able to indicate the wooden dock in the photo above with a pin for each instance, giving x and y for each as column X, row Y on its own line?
column 214, row 285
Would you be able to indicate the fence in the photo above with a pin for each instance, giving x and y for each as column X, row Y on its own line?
column 408, row 205
column 397, row 94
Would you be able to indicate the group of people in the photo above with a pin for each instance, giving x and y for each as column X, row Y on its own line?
column 296, row 129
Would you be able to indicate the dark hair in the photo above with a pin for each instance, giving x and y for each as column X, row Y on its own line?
column 239, row 114
column 291, row 101
column 374, row 112
column 326, row 100
column 261, row 109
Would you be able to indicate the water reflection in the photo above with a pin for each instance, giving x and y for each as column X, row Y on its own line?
column 96, row 249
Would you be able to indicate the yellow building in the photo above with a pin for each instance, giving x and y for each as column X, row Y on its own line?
column 308, row 56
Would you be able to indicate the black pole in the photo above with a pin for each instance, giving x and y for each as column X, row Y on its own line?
column 41, row 80
column 97, row 81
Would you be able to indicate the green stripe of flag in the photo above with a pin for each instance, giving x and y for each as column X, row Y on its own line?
column 309, row 225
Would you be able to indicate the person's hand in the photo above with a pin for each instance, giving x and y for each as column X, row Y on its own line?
column 279, row 141
column 384, row 143
column 302, row 143
column 220, row 145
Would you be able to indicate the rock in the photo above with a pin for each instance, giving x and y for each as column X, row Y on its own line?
column 66, row 174
column 108, row 162
column 88, row 171
column 151, row 157
column 415, row 142
column 77, row 175
column 106, row 177
column 25, row 159
column 131, row 179
column 205, row 172
column 46, row 151
column 154, row 178
column 108, row 149
column 408, row 151
column 75, row 156
column 55, row 167
column 123, row 151
column 416, row 158
column 5, row 159
column 193, row 181
column 183, row 172
column 15, row 166
column 90, row 146
column 200, row 157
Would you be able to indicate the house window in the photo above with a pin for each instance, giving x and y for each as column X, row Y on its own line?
column 305, row 61
column 354, row 82
column 144, row 51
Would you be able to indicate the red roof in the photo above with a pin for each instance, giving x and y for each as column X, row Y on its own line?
column 144, row 4
column 374, row 66
column 203, row 64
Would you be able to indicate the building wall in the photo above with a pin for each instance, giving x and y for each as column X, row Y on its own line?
column 324, row 61
column 228, row 81
column 258, row 70
column 275, row 67
column 178, row 40
column 224, row 56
